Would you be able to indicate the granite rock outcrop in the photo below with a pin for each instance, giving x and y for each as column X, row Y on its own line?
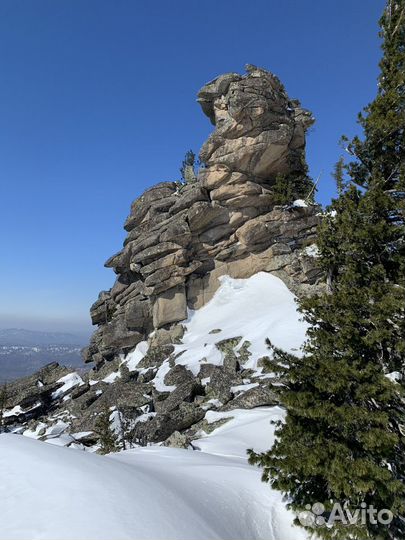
column 182, row 237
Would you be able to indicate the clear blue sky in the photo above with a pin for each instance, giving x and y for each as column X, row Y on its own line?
column 97, row 103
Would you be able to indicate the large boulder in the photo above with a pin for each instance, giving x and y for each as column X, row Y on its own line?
column 117, row 336
column 162, row 426
column 157, row 194
column 170, row 307
column 259, row 396
column 183, row 393
column 33, row 396
column 257, row 131
column 137, row 313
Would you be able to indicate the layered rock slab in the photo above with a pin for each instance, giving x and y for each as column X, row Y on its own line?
column 181, row 238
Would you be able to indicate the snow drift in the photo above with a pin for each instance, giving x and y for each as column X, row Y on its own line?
column 55, row 493
column 255, row 309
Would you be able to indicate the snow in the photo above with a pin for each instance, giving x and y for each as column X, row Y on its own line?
column 81, row 435
column 63, row 439
column 112, row 377
column 158, row 381
column 256, row 308
column 394, row 376
column 68, row 382
column 109, row 379
column 243, row 387
column 13, row 412
column 133, row 358
column 115, row 421
column 300, row 203
column 147, row 493
column 212, row 403
column 56, row 429
column 245, row 429
column 311, row 251
column 35, row 433
column 144, row 417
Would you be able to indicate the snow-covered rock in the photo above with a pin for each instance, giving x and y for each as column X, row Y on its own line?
column 256, row 308
column 207, row 491
column 67, row 383
column 300, row 203
column 311, row 251
column 217, row 364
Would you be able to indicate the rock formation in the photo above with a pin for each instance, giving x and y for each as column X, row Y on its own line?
column 181, row 238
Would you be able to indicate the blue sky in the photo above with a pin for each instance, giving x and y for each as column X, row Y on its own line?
column 98, row 102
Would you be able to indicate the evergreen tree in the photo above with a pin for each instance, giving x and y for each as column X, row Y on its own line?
column 283, row 190
column 292, row 186
column 188, row 167
column 380, row 156
column 338, row 175
column 343, row 439
column 107, row 438
column 3, row 405
column 126, row 428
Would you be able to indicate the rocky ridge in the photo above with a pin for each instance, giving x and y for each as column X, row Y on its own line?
column 181, row 239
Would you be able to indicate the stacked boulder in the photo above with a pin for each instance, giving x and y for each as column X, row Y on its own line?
column 34, row 396
column 182, row 237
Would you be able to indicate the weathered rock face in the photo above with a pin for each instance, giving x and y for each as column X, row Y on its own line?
column 259, row 132
column 181, row 238
column 33, row 396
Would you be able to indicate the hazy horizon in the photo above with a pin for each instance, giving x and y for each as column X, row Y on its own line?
column 78, row 328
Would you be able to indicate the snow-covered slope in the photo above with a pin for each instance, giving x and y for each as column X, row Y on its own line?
column 56, row 493
column 256, row 308
column 245, row 429
column 211, row 492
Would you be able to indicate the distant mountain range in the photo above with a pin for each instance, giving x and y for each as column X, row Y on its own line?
column 24, row 351
column 33, row 338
